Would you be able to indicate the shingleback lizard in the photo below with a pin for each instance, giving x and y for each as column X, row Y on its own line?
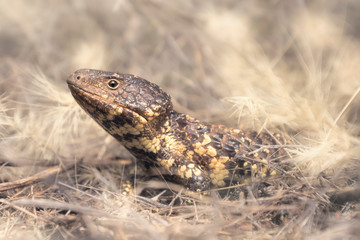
column 197, row 154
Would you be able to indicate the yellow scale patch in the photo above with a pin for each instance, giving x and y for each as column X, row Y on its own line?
column 180, row 149
column 173, row 144
column 166, row 163
column 199, row 149
column 146, row 144
column 217, row 164
column 150, row 114
column 127, row 129
column 211, row 151
column 188, row 171
column 206, row 140
column 218, row 171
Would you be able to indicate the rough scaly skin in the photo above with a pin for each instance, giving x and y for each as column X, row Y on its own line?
column 199, row 155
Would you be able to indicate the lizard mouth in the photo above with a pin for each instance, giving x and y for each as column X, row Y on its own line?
column 89, row 100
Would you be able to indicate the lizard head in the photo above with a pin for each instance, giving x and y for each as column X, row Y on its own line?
column 120, row 103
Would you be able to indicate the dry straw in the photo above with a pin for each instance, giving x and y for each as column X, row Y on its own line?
column 292, row 66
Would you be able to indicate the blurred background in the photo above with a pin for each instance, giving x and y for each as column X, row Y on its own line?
column 290, row 65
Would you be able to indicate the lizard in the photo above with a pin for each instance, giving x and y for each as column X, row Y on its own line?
column 199, row 155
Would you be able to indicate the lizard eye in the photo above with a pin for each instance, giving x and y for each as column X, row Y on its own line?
column 113, row 84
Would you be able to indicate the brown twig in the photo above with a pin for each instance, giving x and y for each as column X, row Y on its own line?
column 34, row 178
column 125, row 161
column 50, row 204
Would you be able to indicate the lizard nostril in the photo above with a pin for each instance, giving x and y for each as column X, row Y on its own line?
column 78, row 77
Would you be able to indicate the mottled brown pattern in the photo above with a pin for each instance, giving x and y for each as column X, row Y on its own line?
column 199, row 155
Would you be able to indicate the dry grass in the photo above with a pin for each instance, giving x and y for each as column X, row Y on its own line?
column 290, row 65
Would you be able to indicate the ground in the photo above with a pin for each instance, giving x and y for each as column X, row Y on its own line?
column 286, row 65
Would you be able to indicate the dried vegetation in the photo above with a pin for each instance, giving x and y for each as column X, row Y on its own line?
column 291, row 65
